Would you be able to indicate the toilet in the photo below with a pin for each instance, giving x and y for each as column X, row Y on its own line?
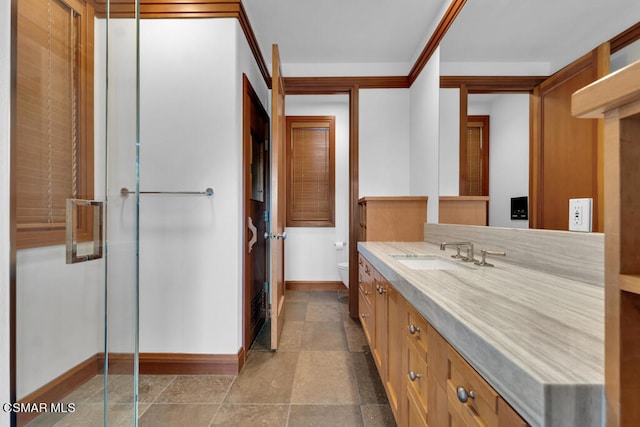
column 343, row 271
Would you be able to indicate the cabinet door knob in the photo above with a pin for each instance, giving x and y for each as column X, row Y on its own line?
column 413, row 376
column 413, row 329
column 463, row 395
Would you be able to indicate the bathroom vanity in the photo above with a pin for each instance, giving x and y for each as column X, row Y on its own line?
column 460, row 344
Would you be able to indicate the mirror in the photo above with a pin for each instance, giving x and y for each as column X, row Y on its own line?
column 499, row 39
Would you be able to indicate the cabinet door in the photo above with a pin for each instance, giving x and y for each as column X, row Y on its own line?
column 416, row 416
column 380, row 344
column 395, row 336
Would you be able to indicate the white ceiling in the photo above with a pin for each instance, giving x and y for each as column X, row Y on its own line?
column 547, row 31
column 554, row 32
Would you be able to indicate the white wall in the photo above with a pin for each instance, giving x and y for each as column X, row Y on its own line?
column 191, row 247
column 309, row 251
column 424, row 135
column 383, row 142
column 508, row 157
column 449, row 142
column 58, row 315
column 5, row 96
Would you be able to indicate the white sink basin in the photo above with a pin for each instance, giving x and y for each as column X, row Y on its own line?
column 427, row 262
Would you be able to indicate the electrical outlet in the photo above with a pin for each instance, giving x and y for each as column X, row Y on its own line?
column 580, row 214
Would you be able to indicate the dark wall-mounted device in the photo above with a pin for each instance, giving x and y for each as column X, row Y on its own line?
column 519, row 208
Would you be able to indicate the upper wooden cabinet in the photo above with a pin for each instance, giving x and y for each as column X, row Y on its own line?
column 392, row 219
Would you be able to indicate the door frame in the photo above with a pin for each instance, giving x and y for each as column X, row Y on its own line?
column 249, row 97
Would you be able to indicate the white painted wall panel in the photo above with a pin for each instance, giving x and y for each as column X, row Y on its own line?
column 384, row 142
column 509, row 157
column 449, row 142
column 424, row 135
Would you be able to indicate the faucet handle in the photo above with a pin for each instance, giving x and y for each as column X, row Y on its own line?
column 484, row 254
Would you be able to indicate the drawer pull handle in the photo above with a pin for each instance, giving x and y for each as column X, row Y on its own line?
column 463, row 395
column 413, row 329
column 413, row 376
column 367, row 292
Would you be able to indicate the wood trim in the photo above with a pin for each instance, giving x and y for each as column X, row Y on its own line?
column 338, row 85
column 393, row 198
column 443, row 26
column 625, row 38
column 535, row 166
column 298, row 285
column 463, row 198
column 354, row 207
column 493, row 84
column 254, row 46
column 174, row 363
column 191, row 364
column 59, row 387
column 463, row 187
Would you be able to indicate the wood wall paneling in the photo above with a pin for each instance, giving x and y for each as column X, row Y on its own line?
column 564, row 150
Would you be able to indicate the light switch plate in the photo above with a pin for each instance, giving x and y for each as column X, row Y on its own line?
column 580, row 214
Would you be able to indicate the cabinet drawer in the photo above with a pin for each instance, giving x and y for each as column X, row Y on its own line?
column 366, row 279
column 366, row 318
column 477, row 402
column 416, row 330
column 416, row 376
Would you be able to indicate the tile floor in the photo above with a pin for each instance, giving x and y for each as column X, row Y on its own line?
column 322, row 375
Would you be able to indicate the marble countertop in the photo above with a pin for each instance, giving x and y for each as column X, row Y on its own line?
column 538, row 339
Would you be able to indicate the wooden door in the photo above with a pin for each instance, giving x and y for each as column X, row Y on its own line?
column 278, row 199
column 256, row 199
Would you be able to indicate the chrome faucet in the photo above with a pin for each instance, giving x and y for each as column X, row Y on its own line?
column 458, row 245
column 484, row 253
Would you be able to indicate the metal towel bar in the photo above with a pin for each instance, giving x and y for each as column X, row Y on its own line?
column 207, row 192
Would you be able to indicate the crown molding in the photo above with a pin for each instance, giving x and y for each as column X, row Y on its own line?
column 443, row 26
column 492, row 84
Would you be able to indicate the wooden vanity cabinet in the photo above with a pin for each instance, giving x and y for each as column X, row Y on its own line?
column 420, row 371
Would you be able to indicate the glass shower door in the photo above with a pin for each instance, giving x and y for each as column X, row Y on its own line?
column 77, row 248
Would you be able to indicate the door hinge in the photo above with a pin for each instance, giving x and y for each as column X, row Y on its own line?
column 266, row 216
column 266, row 145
